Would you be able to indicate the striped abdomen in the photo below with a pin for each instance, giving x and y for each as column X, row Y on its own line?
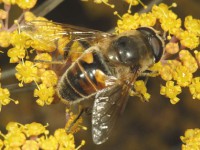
column 84, row 77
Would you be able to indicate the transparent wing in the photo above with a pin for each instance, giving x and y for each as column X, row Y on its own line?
column 107, row 107
column 109, row 104
column 51, row 31
column 63, row 39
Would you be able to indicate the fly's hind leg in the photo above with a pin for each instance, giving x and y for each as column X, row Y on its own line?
column 74, row 121
column 50, row 62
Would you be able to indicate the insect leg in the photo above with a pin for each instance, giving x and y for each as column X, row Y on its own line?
column 149, row 73
column 75, row 120
column 50, row 62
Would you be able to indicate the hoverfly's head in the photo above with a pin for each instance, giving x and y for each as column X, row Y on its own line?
column 142, row 48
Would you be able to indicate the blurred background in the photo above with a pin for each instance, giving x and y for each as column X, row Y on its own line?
column 143, row 126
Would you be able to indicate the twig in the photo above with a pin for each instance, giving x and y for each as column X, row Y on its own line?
column 46, row 7
column 150, row 5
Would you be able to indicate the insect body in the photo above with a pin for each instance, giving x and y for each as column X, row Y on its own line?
column 84, row 77
column 105, row 71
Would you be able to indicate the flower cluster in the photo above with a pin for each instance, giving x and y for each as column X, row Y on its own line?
column 23, row 45
column 5, row 97
column 170, row 90
column 181, row 59
column 26, row 72
column 104, row 2
column 177, row 67
column 191, row 139
column 195, row 88
column 134, row 3
column 179, row 71
column 140, row 90
column 33, row 60
column 35, row 136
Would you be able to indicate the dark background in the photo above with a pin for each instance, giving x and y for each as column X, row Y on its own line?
column 143, row 126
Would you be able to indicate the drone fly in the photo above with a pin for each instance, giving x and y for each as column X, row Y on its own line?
column 104, row 72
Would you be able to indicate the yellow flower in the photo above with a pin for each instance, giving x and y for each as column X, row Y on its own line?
column 128, row 22
column 65, row 140
column 5, row 38
column 167, row 18
column 148, row 19
column 182, row 75
column 105, row 2
column 16, row 54
column 13, row 126
column 29, row 16
column 156, row 67
column 167, row 69
column 26, row 4
column 162, row 11
column 49, row 143
column 171, row 91
column 43, row 57
column 132, row 2
column 5, row 97
column 34, row 129
column 140, row 90
column 20, row 40
column 49, row 78
column 100, row 1
column 166, row 72
column 34, row 136
column 171, row 25
column 191, row 139
column 26, row 72
column 172, row 48
column 188, row 39
column 45, row 94
column 30, row 145
column 3, row 14
column 1, row 144
column 192, row 25
column 14, row 139
column 195, row 88
column 187, row 59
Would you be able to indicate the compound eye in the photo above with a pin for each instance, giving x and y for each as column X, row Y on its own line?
column 154, row 40
column 157, row 47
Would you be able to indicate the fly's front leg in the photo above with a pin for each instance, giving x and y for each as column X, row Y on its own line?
column 139, row 87
column 149, row 73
